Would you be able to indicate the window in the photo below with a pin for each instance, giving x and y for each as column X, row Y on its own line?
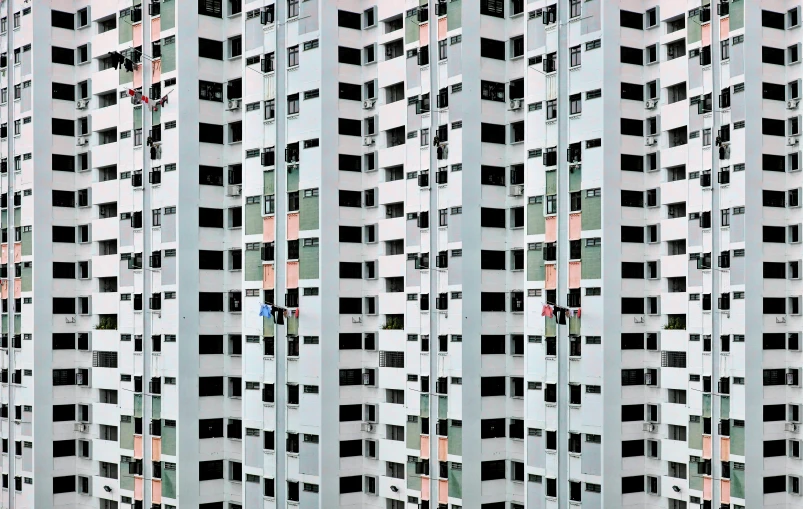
column 574, row 56
column 292, row 57
column 634, row 56
column 209, row 48
column 491, row 48
column 575, row 104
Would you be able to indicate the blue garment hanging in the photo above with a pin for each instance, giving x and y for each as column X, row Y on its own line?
column 264, row 310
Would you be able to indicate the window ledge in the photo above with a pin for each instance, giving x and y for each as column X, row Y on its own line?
column 293, row 116
column 295, row 67
column 575, row 68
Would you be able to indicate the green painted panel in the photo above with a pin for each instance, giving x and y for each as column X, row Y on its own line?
column 706, row 405
column 268, row 327
column 127, row 434
column 695, row 479
column 443, row 406
column 17, row 216
column 168, row 14
column 125, row 76
column 724, row 407
column 137, row 117
column 551, row 182
column 292, row 325
column 125, row 31
column 535, row 265
column 156, row 407
column 455, row 483
column 591, row 218
column 694, row 31
column 5, row 219
column 411, row 29
column 27, row 278
column 575, row 178
column 737, row 440
column 550, row 328
column 736, row 14
column 308, row 262
column 27, row 243
column 292, row 180
column 413, row 479
column 308, row 213
column 455, row 442
column 156, row 117
column 17, row 323
column 169, row 483
column 425, row 405
column 5, row 324
column 454, row 18
column 536, row 224
column 737, row 482
column 414, row 435
column 253, row 219
column 168, row 54
column 574, row 326
column 270, row 182
column 591, row 267
column 169, row 440
column 137, row 405
column 126, row 479
column 253, row 265
column 696, row 436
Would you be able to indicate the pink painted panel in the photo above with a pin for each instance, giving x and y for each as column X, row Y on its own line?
column 423, row 32
column 442, row 29
column 138, row 76
column 156, row 71
column 707, row 488
column 424, row 487
column 292, row 274
column 156, row 29
column 575, row 226
column 156, row 491
column 707, row 446
column 443, row 449
column 5, row 254
column 706, row 34
column 268, row 231
column 17, row 288
column 574, row 274
column 443, row 491
column 726, row 449
column 138, row 35
column 267, row 277
column 156, row 453
column 424, row 447
column 551, row 229
column 139, row 486
column 725, row 491
column 551, row 277
column 138, row 446
column 17, row 252
column 292, row 226
column 724, row 28
column 5, row 289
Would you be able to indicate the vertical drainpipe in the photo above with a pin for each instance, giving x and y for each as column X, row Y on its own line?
column 562, row 255
column 10, row 236
column 716, row 229
column 147, row 274
column 433, row 253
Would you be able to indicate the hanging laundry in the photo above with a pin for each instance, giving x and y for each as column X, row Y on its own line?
column 546, row 310
column 129, row 65
column 278, row 316
column 435, row 141
column 560, row 315
column 163, row 101
column 440, row 152
column 579, row 311
column 286, row 313
column 264, row 310
column 153, row 152
column 295, row 312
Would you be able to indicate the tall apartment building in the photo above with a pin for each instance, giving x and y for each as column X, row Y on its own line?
column 392, row 175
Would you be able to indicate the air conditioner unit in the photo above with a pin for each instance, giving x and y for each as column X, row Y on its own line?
column 82, row 104
column 235, row 190
column 367, row 426
column 368, row 141
column 234, row 104
column 515, row 104
column 792, row 426
column 650, row 140
column 517, row 190
column 651, row 103
column 368, row 104
column 792, row 141
column 648, row 426
column 80, row 426
column 82, row 141
column 792, row 104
